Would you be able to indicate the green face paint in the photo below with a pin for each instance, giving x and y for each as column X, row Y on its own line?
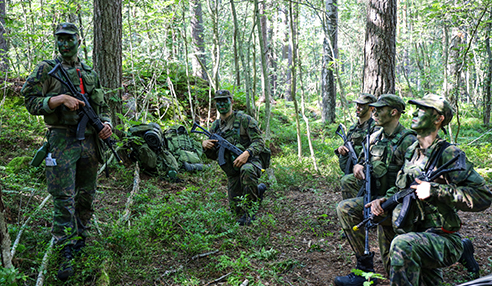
column 382, row 115
column 68, row 45
column 361, row 110
column 223, row 105
column 423, row 120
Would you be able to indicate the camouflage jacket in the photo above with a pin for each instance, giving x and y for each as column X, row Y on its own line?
column 387, row 155
column 459, row 190
column 356, row 134
column 40, row 87
column 240, row 130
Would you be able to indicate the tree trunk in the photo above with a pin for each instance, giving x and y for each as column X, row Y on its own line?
column 214, row 14
column 265, row 82
column 3, row 43
column 4, row 237
column 197, row 39
column 380, row 47
column 287, row 56
column 330, row 53
column 107, row 52
column 235, row 38
column 488, row 80
column 293, row 44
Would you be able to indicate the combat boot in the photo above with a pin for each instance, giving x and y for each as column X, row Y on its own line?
column 246, row 219
column 261, row 191
column 77, row 248
column 467, row 258
column 193, row 167
column 364, row 263
column 66, row 268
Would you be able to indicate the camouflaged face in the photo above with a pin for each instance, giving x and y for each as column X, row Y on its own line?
column 439, row 103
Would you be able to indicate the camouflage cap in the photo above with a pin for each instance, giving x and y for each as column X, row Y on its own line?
column 223, row 93
column 365, row 98
column 66, row 28
column 437, row 102
column 390, row 100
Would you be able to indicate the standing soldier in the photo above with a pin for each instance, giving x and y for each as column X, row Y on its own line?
column 427, row 239
column 242, row 131
column 356, row 135
column 387, row 149
column 71, row 165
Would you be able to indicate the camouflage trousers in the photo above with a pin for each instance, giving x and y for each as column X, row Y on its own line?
column 242, row 189
column 72, row 183
column 416, row 257
column 350, row 186
column 350, row 213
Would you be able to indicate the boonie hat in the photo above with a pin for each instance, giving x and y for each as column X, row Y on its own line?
column 390, row 100
column 365, row 98
column 437, row 102
column 66, row 28
column 222, row 93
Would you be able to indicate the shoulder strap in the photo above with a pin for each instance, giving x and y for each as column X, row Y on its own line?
column 401, row 135
column 436, row 156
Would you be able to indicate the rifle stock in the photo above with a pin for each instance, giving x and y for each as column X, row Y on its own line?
column 223, row 145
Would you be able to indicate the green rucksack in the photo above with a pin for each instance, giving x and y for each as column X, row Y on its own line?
column 148, row 148
column 185, row 149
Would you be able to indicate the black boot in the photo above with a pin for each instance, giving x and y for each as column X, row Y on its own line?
column 77, row 248
column 246, row 219
column 364, row 263
column 261, row 190
column 467, row 258
column 66, row 268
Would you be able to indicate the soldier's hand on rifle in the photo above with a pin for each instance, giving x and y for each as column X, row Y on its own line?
column 241, row 160
column 69, row 101
column 106, row 132
column 342, row 150
column 375, row 206
column 208, row 144
column 359, row 172
column 422, row 189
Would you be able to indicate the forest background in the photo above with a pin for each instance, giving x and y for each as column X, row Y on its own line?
column 293, row 65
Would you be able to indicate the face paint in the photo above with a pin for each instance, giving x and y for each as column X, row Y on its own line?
column 68, row 45
column 361, row 110
column 223, row 105
column 382, row 115
column 423, row 119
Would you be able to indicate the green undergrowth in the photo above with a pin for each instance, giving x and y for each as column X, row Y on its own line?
column 183, row 233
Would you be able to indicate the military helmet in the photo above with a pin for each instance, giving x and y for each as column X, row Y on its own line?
column 437, row 102
column 390, row 100
column 66, row 28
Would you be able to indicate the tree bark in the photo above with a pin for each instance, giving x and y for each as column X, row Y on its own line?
column 380, row 47
column 330, row 53
column 4, row 237
column 488, row 80
column 265, row 77
column 287, row 56
column 235, row 38
column 108, row 52
column 293, row 44
column 196, row 20
column 3, row 43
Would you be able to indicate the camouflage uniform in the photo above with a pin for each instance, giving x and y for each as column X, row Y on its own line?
column 241, row 130
column 387, row 156
column 428, row 240
column 356, row 135
column 72, row 182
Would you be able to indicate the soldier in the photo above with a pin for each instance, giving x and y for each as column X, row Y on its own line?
column 71, row 165
column 241, row 130
column 387, row 150
column 356, row 135
column 427, row 240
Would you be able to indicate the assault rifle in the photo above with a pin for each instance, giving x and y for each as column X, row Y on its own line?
column 407, row 195
column 352, row 155
column 223, row 145
column 86, row 113
column 368, row 183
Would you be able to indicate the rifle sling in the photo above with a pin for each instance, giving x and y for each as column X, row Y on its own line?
column 407, row 200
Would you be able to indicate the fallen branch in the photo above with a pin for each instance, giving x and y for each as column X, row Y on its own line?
column 17, row 239
column 204, row 254
column 6, row 259
column 40, row 280
column 220, row 278
column 129, row 202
